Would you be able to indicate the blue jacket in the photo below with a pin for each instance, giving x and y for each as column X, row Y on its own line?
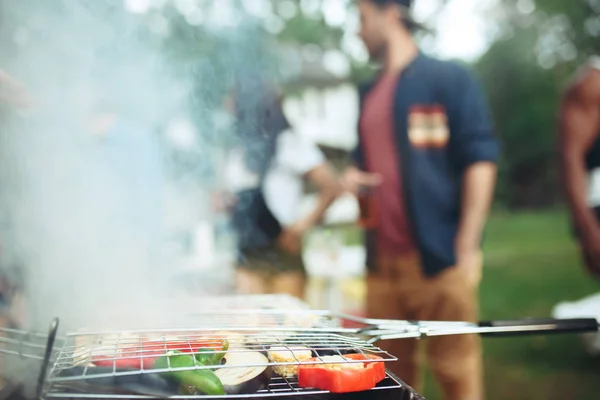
column 432, row 174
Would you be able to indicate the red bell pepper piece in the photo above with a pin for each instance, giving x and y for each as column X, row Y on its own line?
column 342, row 380
column 144, row 355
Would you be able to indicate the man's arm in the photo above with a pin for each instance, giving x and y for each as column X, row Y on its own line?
column 307, row 160
column 324, row 178
column 476, row 151
column 579, row 124
column 479, row 180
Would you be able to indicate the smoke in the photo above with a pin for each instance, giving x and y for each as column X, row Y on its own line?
column 97, row 224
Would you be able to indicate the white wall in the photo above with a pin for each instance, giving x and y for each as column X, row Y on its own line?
column 327, row 116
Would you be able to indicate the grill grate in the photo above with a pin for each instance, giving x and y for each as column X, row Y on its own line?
column 278, row 387
column 22, row 344
column 118, row 353
column 90, row 364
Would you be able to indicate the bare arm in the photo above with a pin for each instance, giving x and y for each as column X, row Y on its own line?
column 323, row 177
column 579, row 123
column 479, row 180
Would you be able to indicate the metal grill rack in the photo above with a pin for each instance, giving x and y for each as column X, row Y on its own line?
column 29, row 355
column 75, row 374
column 142, row 348
column 279, row 387
column 23, row 345
column 72, row 374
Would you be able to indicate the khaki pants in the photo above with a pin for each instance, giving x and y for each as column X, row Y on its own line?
column 254, row 282
column 399, row 290
column 271, row 270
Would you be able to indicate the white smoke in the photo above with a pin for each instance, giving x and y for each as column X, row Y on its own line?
column 59, row 203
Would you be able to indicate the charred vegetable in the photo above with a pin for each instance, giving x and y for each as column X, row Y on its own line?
column 246, row 379
column 203, row 380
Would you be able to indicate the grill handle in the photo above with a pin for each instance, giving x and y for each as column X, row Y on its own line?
column 535, row 326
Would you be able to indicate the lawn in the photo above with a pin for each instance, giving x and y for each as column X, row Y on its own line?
column 531, row 264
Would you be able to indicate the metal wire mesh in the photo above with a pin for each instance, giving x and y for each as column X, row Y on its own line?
column 127, row 353
column 228, row 312
column 278, row 387
column 22, row 344
column 25, row 357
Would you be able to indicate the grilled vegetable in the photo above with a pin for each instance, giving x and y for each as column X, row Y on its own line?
column 145, row 354
column 246, row 379
column 291, row 354
column 209, row 356
column 204, row 380
column 339, row 375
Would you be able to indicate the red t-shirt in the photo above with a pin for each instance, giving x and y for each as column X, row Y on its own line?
column 381, row 156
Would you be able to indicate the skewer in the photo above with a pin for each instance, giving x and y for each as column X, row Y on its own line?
column 406, row 329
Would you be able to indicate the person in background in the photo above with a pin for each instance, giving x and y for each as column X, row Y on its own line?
column 266, row 174
column 424, row 170
column 579, row 151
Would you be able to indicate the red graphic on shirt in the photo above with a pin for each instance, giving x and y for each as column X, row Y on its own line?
column 428, row 126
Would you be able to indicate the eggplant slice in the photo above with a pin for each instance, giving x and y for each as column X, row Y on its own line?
column 244, row 380
column 135, row 384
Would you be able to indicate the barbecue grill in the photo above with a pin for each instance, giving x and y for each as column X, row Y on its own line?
column 123, row 364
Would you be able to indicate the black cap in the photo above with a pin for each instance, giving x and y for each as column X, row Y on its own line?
column 406, row 6
column 405, row 3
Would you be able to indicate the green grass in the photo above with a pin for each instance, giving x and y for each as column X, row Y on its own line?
column 531, row 264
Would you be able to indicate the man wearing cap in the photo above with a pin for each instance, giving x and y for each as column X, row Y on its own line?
column 424, row 170
column 579, row 150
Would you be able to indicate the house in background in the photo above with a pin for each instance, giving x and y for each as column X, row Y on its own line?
column 323, row 106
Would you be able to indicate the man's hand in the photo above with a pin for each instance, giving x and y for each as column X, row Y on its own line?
column 469, row 258
column 290, row 239
column 354, row 180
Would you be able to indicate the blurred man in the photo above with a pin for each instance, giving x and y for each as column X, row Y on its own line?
column 579, row 148
column 425, row 162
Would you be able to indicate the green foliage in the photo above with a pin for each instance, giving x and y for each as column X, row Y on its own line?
column 523, row 77
column 303, row 30
column 531, row 264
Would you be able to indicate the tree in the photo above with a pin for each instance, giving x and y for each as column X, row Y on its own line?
column 524, row 71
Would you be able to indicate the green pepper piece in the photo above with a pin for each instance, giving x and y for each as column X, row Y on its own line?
column 224, row 350
column 207, row 356
column 204, row 380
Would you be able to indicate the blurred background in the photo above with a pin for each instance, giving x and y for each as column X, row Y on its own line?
column 523, row 51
